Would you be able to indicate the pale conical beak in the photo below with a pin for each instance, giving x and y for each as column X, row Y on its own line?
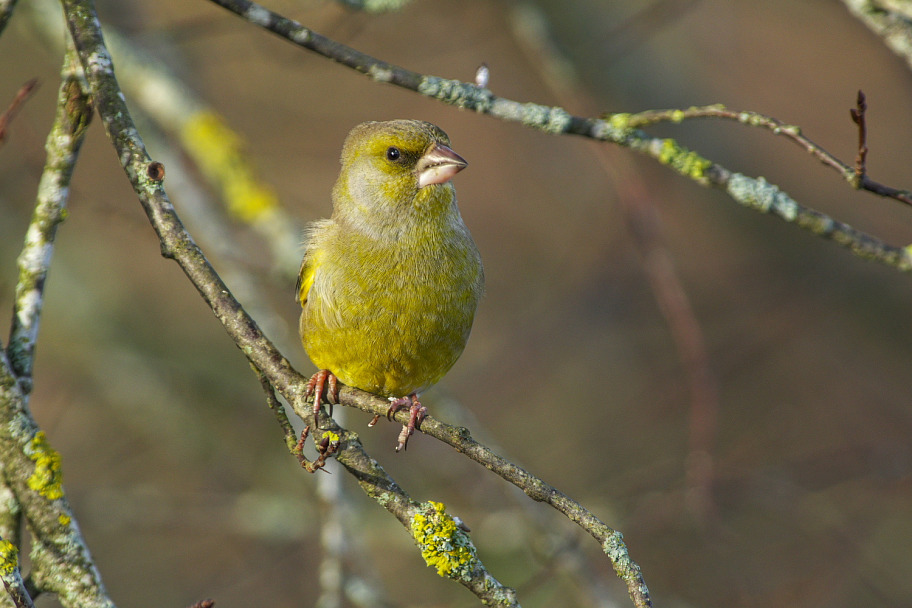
column 438, row 165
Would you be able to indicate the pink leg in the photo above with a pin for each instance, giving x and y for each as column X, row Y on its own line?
column 317, row 385
column 416, row 415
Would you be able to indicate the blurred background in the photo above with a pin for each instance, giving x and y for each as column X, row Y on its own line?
column 778, row 474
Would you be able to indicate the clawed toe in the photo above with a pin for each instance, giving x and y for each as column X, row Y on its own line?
column 417, row 412
column 323, row 382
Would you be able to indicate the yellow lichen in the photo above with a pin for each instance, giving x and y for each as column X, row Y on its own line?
column 684, row 161
column 47, row 479
column 620, row 121
column 9, row 557
column 444, row 545
column 333, row 437
column 218, row 151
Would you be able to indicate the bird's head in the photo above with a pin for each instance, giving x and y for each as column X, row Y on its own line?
column 396, row 170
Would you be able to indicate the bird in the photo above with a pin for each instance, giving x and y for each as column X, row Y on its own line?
column 390, row 283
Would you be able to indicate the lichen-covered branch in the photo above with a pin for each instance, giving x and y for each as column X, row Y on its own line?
column 444, row 545
column 11, row 576
column 853, row 175
column 550, row 119
column 31, row 469
column 610, row 540
column 889, row 19
column 74, row 111
column 375, row 6
column 61, row 563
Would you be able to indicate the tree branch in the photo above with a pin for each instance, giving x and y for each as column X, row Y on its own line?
column 754, row 193
column 889, row 19
column 11, row 576
column 31, row 469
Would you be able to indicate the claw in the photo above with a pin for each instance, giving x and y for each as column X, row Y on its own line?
column 317, row 386
column 417, row 413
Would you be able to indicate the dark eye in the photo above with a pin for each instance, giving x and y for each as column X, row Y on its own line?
column 393, row 153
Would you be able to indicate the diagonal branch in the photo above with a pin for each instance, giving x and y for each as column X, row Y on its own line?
column 755, row 193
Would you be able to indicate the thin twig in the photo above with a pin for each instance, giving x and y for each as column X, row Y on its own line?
column 858, row 117
column 854, row 175
column 22, row 94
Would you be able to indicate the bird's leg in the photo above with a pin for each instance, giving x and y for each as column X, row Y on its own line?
column 416, row 415
column 317, row 385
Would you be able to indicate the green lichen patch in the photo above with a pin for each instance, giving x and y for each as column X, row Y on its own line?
column 684, row 161
column 9, row 558
column 47, row 479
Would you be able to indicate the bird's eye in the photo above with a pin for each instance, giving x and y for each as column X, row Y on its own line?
column 393, row 153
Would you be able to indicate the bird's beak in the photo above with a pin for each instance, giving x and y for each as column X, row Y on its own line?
column 438, row 165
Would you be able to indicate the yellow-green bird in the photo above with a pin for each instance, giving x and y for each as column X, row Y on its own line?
column 390, row 284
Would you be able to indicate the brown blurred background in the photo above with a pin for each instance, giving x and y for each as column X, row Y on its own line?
column 176, row 469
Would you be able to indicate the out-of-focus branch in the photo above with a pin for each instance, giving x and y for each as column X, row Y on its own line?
column 73, row 115
column 754, row 193
column 21, row 95
column 889, row 19
column 6, row 11
column 218, row 151
column 643, row 223
column 375, row 6
column 61, row 563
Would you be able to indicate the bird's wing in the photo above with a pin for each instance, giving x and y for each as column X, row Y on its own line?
column 311, row 262
column 305, row 279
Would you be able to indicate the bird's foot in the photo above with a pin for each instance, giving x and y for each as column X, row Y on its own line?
column 324, row 381
column 417, row 413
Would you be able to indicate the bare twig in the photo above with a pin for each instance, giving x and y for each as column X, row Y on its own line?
column 22, row 94
column 858, row 117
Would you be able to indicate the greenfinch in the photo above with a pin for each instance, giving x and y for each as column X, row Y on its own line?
column 390, row 283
